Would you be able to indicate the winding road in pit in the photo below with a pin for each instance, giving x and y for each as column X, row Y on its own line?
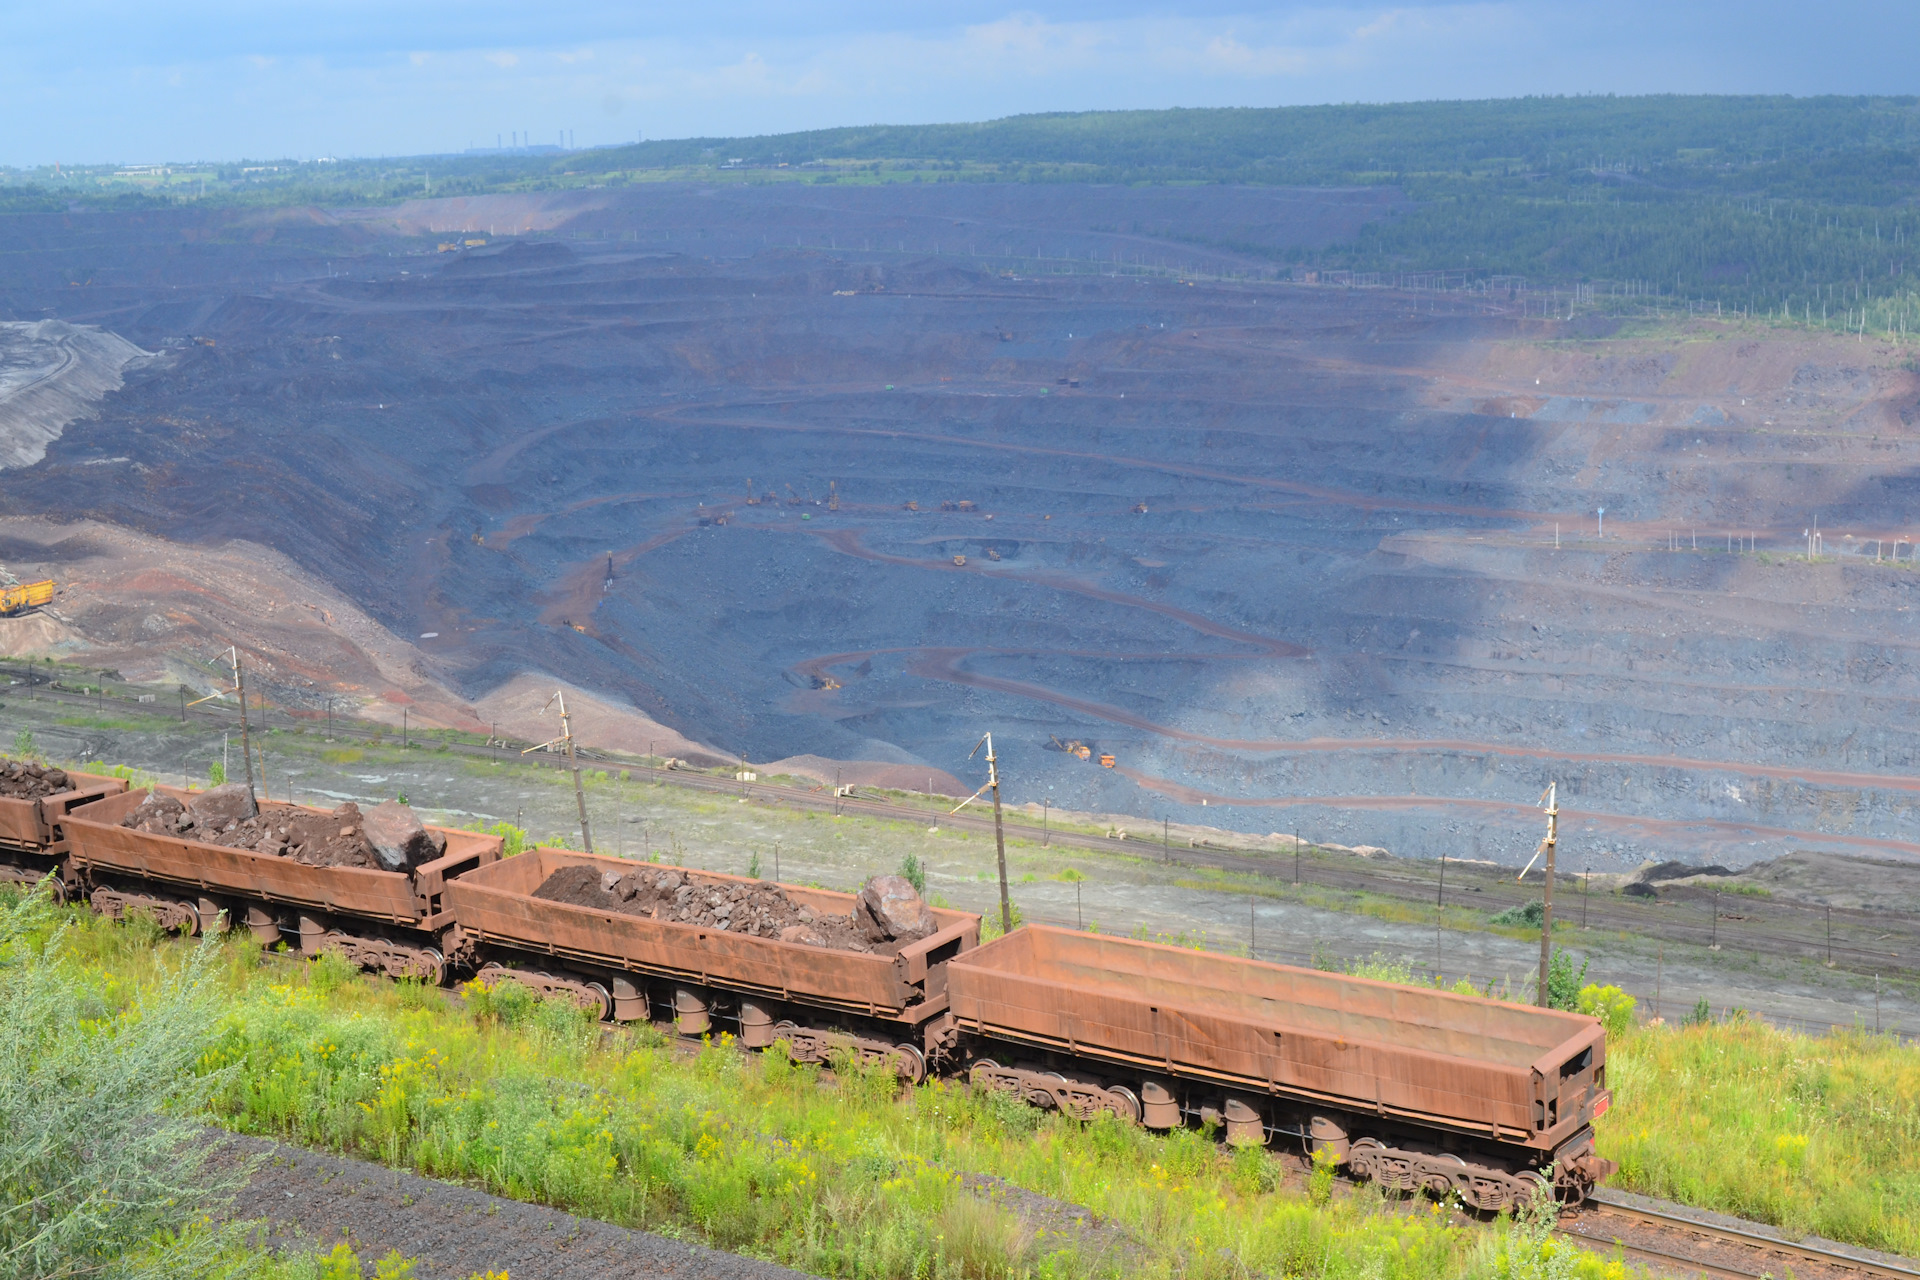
column 578, row 594
column 578, row 591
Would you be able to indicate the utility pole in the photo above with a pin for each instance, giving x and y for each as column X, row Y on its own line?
column 1547, row 846
column 573, row 762
column 1046, row 805
column 239, row 687
column 999, row 835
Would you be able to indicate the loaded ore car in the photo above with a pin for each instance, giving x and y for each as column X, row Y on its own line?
column 1413, row 1088
column 876, row 1005
column 385, row 920
column 31, row 841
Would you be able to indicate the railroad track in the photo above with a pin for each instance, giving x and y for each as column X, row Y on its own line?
column 1489, row 891
column 1737, row 1250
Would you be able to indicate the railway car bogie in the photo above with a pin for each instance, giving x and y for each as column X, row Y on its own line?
column 175, row 915
column 1055, row 1091
column 589, row 994
column 821, row 1046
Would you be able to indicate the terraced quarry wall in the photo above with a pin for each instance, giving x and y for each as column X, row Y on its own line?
column 1287, row 552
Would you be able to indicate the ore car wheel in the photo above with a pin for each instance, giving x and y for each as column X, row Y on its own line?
column 1129, row 1109
column 909, row 1063
column 1439, row 1184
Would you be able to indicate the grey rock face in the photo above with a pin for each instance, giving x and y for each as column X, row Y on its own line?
column 890, row 910
column 399, row 839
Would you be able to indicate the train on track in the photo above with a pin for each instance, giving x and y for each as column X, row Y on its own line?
column 1412, row 1088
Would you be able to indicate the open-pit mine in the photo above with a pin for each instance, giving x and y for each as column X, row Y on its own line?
column 855, row 474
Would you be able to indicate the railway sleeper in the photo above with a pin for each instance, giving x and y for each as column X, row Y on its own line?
column 818, row 1045
column 588, row 993
column 1051, row 1090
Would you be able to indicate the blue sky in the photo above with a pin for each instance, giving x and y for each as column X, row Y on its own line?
column 88, row 81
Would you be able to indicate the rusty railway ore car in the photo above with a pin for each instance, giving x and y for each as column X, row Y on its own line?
column 1410, row 1087
column 385, row 920
column 31, row 841
column 627, row 966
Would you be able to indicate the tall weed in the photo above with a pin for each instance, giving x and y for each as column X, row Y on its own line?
column 103, row 1170
column 1816, row 1134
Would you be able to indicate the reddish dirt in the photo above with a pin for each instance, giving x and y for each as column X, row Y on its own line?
column 759, row 910
column 25, row 780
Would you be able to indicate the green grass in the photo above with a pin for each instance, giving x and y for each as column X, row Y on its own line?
column 838, row 1176
column 1817, row 1134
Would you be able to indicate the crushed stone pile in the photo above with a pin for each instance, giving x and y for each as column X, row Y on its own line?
column 25, row 780
column 884, row 919
column 388, row 837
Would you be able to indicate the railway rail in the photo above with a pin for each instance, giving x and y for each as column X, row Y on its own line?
column 1693, row 1242
column 1860, row 941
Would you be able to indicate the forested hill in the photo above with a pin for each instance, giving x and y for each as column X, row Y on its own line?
column 1776, row 146
column 1763, row 202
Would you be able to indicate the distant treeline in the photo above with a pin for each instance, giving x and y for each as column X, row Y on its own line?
column 1756, row 202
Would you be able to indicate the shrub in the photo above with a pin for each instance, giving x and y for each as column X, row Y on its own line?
column 1563, row 981
column 1528, row 915
column 1610, row 1004
column 102, row 1172
column 915, row 873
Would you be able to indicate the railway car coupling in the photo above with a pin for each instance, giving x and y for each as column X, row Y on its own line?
column 1051, row 1090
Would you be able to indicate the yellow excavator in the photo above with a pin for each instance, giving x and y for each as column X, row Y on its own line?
column 17, row 597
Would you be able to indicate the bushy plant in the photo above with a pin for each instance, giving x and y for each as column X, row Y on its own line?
column 24, row 747
column 1563, row 981
column 914, row 872
column 103, row 1171
column 1528, row 915
column 1610, row 1004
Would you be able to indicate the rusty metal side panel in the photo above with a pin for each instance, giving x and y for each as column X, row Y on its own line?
column 1007, row 989
column 29, row 824
column 97, row 840
column 21, row 823
column 496, row 903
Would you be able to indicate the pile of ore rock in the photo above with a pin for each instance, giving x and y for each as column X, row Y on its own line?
column 387, row 837
column 25, row 780
column 886, row 916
